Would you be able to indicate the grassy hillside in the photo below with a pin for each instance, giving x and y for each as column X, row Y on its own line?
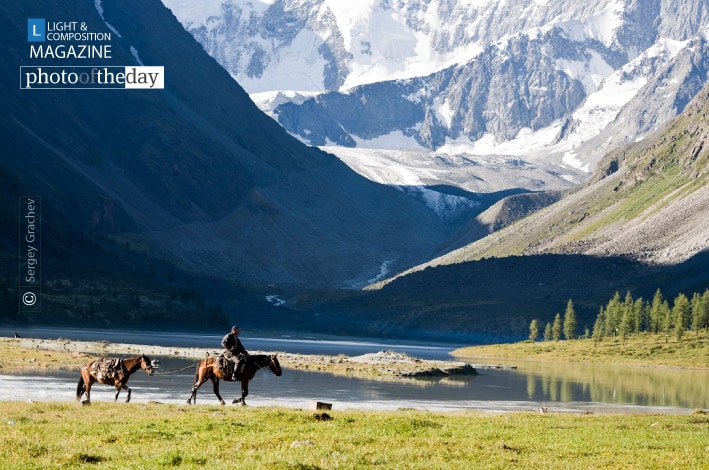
column 647, row 201
column 692, row 351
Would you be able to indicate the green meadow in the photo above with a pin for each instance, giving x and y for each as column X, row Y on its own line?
column 644, row 349
column 120, row 435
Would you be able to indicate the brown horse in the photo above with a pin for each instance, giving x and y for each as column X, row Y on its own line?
column 209, row 370
column 112, row 371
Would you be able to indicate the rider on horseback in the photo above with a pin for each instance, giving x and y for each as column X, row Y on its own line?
column 235, row 351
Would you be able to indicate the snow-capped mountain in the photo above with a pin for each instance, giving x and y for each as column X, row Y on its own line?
column 328, row 45
column 555, row 81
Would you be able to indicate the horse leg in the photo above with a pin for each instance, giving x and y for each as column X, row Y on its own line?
column 88, row 395
column 88, row 381
column 193, row 393
column 199, row 379
column 121, row 386
column 244, row 393
column 215, row 381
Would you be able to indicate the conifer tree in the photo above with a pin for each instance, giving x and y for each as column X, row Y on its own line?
column 533, row 330
column 697, row 311
column 570, row 323
column 686, row 308
column 667, row 319
column 641, row 315
column 626, row 317
column 599, row 326
column 656, row 312
column 613, row 314
column 680, row 312
column 547, row 332
column 628, row 311
column 556, row 328
column 705, row 310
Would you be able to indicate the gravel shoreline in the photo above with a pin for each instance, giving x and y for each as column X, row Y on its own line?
column 383, row 364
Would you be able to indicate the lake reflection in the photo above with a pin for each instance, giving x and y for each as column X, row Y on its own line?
column 612, row 384
column 532, row 385
column 559, row 387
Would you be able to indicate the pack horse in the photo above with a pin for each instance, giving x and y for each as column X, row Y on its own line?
column 111, row 371
column 209, row 370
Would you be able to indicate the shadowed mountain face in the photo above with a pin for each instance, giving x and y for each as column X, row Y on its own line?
column 640, row 224
column 193, row 175
column 150, row 195
column 495, row 299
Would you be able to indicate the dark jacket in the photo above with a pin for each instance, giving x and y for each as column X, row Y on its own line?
column 233, row 346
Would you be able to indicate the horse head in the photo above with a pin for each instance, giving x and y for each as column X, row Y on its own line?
column 274, row 365
column 146, row 364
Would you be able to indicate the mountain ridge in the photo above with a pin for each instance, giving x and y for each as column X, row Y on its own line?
column 151, row 200
column 640, row 224
column 149, row 193
column 560, row 82
column 648, row 201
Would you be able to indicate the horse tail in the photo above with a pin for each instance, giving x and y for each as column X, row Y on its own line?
column 80, row 387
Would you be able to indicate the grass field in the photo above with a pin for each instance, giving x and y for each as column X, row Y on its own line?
column 110, row 435
column 14, row 357
column 645, row 349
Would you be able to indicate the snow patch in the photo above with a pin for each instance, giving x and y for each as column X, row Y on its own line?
column 99, row 9
column 275, row 300
column 445, row 113
column 299, row 66
column 383, row 272
column 446, row 206
column 411, row 168
column 590, row 73
column 395, row 139
column 526, row 142
column 134, row 52
column 666, row 47
column 191, row 13
column 602, row 26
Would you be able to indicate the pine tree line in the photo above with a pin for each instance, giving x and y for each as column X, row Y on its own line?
column 630, row 316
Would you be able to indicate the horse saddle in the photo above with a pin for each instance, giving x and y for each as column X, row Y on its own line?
column 226, row 366
column 107, row 368
column 230, row 368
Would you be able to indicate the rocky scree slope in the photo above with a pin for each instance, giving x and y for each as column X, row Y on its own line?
column 647, row 202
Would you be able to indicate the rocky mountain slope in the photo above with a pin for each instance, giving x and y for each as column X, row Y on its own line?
column 562, row 81
column 191, row 182
column 647, row 201
column 640, row 224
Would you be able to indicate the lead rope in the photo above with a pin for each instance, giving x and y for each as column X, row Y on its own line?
column 172, row 371
column 197, row 363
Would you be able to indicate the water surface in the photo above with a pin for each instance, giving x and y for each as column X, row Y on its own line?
column 577, row 387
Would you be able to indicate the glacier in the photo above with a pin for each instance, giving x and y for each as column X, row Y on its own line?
column 291, row 53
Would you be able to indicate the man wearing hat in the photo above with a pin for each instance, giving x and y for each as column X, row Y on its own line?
column 234, row 350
